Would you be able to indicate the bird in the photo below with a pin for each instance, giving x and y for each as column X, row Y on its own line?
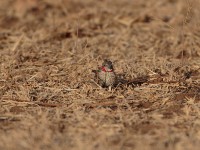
column 105, row 75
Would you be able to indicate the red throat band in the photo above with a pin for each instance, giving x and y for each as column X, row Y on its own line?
column 103, row 69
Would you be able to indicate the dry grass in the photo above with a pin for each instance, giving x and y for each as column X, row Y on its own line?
column 48, row 99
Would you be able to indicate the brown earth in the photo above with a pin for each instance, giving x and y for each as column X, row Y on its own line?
column 48, row 97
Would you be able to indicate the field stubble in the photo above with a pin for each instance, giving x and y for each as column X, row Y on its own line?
column 48, row 97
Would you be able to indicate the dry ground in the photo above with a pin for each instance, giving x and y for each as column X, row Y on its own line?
column 48, row 99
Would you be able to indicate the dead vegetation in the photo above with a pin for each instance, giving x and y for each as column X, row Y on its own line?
column 48, row 99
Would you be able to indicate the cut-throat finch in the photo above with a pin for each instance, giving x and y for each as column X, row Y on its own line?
column 105, row 74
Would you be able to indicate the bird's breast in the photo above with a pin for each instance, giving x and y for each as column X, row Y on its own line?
column 107, row 77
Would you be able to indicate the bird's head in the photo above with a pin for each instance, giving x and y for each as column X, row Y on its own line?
column 107, row 66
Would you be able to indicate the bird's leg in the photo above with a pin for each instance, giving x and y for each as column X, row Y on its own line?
column 110, row 89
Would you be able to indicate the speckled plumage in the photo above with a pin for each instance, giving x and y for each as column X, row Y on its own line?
column 106, row 78
column 105, row 74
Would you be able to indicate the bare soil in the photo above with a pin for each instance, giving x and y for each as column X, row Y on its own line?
column 48, row 96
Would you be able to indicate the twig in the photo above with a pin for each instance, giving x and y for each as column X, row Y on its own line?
column 17, row 43
column 48, row 104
